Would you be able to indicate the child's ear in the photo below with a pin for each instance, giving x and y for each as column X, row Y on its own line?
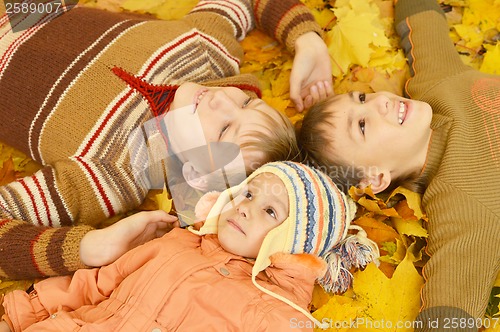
column 379, row 181
column 194, row 178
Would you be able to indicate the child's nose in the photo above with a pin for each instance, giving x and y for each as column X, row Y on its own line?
column 222, row 101
column 382, row 104
column 243, row 211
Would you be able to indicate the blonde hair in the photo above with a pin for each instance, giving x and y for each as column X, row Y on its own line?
column 277, row 141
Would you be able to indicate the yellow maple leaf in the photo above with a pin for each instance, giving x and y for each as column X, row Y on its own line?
column 409, row 227
column 482, row 14
column 171, row 10
column 339, row 313
column 163, row 200
column 109, row 5
column 491, row 61
column 470, row 34
column 393, row 301
column 277, row 103
column 314, row 3
column 377, row 302
column 163, row 9
column 260, row 47
column 358, row 29
column 375, row 206
column 140, row 6
column 280, row 86
column 413, row 199
column 397, row 253
column 393, row 82
column 377, row 230
column 497, row 281
column 324, row 17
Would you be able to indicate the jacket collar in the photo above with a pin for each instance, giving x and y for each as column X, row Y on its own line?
column 295, row 274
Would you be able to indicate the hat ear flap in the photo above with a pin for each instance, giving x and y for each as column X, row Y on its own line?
column 205, row 204
column 354, row 251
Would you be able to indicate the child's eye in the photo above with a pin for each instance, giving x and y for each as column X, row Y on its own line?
column 246, row 102
column 248, row 195
column 362, row 97
column 223, row 130
column 271, row 212
column 362, row 126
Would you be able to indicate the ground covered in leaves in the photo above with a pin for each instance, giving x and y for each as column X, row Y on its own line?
column 365, row 57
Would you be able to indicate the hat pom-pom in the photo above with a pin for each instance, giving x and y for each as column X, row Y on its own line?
column 337, row 278
column 354, row 251
column 205, row 204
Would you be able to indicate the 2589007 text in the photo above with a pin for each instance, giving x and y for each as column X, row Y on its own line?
column 27, row 8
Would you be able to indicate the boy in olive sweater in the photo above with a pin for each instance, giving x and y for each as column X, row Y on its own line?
column 445, row 140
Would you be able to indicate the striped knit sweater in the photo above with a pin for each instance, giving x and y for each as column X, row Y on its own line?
column 462, row 171
column 63, row 105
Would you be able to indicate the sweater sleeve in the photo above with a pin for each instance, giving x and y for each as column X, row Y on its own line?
column 28, row 251
column 431, row 55
column 67, row 193
column 285, row 20
column 463, row 246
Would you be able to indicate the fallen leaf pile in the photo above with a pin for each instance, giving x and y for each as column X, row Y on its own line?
column 365, row 56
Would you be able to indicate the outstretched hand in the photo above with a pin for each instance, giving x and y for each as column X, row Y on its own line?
column 103, row 246
column 311, row 76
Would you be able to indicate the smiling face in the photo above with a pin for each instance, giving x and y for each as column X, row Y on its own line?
column 380, row 133
column 246, row 220
column 200, row 115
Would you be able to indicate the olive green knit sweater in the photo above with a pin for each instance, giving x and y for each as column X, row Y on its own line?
column 462, row 171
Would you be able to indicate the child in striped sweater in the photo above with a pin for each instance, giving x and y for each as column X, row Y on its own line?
column 78, row 89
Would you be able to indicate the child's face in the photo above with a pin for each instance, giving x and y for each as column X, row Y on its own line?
column 246, row 220
column 380, row 130
column 201, row 115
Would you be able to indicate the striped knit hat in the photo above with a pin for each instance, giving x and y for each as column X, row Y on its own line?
column 318, row 221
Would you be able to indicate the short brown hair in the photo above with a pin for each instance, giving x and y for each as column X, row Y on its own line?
column 313, row 138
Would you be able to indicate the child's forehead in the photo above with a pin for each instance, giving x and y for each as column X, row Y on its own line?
column 265, row 177
column 337, row 103
column 271, row 186
column 269, row 182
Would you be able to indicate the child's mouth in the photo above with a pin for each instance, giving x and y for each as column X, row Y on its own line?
column 402, row 112
column 198, row 97
column 233, row 224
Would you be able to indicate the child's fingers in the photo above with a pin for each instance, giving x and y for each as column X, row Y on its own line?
column 328, row 89
column 314, row 93
column 297, row 101
column 321, row 91
column 158, row 215
column 308, row 101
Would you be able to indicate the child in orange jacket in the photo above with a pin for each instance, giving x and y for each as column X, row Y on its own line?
column 251, row 267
